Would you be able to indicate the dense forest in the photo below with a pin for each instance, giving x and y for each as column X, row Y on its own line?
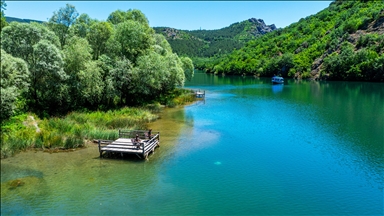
column 342, row 42
column 209, row 43
column 74, row 62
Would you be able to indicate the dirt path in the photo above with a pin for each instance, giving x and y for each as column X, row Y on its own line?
column 34, row 123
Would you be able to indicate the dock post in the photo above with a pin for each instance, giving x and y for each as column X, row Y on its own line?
column 99, row 149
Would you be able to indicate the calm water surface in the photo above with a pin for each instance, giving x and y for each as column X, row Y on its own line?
column 305, row 148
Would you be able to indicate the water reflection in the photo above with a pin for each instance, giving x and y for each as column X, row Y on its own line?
column 277, row 88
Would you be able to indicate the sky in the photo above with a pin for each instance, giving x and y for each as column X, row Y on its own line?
column 185, row 15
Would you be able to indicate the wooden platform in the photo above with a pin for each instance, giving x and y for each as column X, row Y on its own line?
column 124, row 144
column 200, row 94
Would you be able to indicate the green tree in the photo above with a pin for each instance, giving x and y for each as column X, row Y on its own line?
column 117, row 17
column 77, row 54
column 48, row 87
column 188, row 68
column 120, row 16
column 176, row 73
column 3, row 23
column 61, row 20
column 81, row 26
column 150, row 74
column 18, row 39
column 138, row 16
column 14, row 83
column 98, row 35
column 133, row 38
column 162, row 45
column 121, row 79
column 91, row 84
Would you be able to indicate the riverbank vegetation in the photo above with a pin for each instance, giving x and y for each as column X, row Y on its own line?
column 85, row 67
column 74, row 130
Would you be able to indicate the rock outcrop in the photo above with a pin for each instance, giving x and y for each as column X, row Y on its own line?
column 261, row 27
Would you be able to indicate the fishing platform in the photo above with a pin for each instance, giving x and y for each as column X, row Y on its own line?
column 200, row 94
column 126, row 143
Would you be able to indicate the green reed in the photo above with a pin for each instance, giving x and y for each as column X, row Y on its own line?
column 71, row 131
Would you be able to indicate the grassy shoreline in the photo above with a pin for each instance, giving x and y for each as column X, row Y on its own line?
column 27, row 130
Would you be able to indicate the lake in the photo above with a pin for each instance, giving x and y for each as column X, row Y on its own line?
column 249, row 148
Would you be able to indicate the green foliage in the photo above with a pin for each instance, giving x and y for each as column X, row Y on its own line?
column 3, row 22
column 18, row 39
column 14, row 82
column 98, row 35
column 134, row 39
column 85, row 64
column 188, row 67
column 121, row 79
column 322, row 41
column 81, row 26
column 19, row 132
column 48, row 87
column 91, row 85
column 135, row 15
column 61, row 20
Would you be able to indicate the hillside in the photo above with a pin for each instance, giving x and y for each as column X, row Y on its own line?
column 208, row 43
column 14, row 19
column 342, row 42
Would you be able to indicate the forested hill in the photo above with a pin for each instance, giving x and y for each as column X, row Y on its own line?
column 207, row 43
column 342, row 42
column 14, row 19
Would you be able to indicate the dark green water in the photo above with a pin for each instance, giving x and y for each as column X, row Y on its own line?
column 304, row 148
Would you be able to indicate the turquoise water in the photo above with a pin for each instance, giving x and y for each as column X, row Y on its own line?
column 249, row 148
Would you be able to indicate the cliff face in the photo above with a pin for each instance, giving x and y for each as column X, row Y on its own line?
column 261, row 27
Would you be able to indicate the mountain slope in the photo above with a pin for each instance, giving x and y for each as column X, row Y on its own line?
column 14, row 19
column 207, row 43
column 342, row 42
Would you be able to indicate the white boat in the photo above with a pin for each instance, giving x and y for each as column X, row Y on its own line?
column 277, row 80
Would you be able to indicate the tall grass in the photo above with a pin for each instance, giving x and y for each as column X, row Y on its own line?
column 71, row 131
column 75, row 129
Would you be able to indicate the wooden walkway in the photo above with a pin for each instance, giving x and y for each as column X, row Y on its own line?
column 124, row 144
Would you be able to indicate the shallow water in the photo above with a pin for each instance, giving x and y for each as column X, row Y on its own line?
column 305, row 148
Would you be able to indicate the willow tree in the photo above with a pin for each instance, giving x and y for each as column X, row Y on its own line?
column 77, row 54
column 150, row 75
column 14, row 75
column 188, row 68
column 98, row 36
column 121, row 79
column 120, row 16
column 18, row 39
column 37, row 45
column 133, row 38
column 48, row 77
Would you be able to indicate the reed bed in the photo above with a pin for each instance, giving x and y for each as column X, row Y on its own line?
column 72, row 131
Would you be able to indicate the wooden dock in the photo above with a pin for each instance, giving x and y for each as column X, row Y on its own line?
column 125, row 144
column 200, row 94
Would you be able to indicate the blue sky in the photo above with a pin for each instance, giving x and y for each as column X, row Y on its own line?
column 186, row 15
